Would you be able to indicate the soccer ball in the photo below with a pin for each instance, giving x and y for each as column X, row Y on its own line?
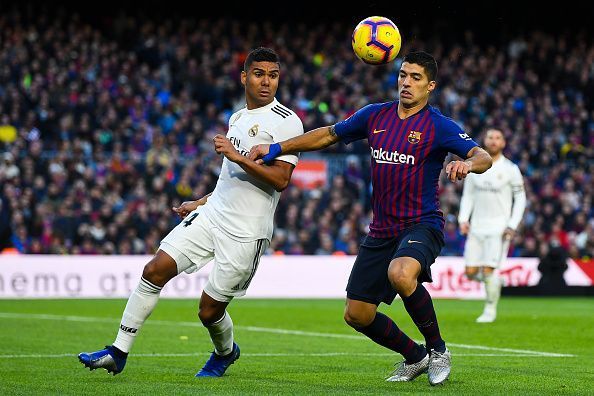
column 376, row 40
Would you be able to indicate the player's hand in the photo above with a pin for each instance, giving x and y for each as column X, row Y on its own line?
column 185, row 208
column 258, row 152
column 508, row 234
column 224, row 146
column 457, row 170
column 464, row 228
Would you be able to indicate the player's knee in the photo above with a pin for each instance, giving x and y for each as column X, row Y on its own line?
column 401, row 279
column 154, row 274
column 352, row 321
column 150, row 273
column 205, row 315
column 358, row 320
column 471, row 273
column 210, row 314
column 160, row 270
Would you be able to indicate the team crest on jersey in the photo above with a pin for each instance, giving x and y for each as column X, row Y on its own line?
column 414, row 137
column 253, row 131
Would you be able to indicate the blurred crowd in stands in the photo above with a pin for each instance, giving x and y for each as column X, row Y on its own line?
column 104, row 128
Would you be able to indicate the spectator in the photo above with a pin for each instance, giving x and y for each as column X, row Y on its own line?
column 102, row 130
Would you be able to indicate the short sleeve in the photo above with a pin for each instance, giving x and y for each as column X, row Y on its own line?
column 453, row 138
column 355, row 127
column 290, row 127
column 516, row 180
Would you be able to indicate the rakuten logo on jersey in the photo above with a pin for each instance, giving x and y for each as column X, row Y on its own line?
column 382, row 156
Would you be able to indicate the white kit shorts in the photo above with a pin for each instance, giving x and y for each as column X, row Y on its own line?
column 196, row 241
column 485, row 250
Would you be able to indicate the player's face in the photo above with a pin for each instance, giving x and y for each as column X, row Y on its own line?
column 414, row 86
column 494, row 142
column 261, row 83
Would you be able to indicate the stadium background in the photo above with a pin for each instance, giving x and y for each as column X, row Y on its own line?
column 106, row 114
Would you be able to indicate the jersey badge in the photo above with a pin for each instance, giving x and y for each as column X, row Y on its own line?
column 253, row 131
column 414, row 137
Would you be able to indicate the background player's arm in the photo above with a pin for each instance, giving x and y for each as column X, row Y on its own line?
column 477, row 161
column 466, row 204
column 188, row 206
column 315, row 139
column 277, row 175
column 519, row 203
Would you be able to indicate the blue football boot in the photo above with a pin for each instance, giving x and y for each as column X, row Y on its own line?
column 107, row 358
column 217, row 365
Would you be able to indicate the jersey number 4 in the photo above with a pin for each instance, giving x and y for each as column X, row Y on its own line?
column 190, row 220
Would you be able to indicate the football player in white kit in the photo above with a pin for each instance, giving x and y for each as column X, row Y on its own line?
column 232, row 225
column 494, row 202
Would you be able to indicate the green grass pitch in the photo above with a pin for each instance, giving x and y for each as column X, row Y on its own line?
column 538, row 346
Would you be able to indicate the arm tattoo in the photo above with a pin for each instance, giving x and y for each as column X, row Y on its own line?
column 333, row 130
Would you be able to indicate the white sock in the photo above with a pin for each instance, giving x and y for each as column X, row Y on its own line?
column 221, row 334
column 141, row 304
column 493, row 289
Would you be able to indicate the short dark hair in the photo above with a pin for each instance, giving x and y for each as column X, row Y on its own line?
column 423, row 59
column 260, row 54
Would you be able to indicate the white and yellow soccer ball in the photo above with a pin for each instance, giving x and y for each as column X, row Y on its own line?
column 376, row 40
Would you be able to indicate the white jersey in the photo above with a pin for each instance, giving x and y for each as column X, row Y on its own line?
column 242, row 205
column 493, row 200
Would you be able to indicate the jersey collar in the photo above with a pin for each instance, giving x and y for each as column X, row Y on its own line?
column 263, row 108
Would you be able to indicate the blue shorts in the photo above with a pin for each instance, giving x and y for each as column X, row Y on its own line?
column 369, row 281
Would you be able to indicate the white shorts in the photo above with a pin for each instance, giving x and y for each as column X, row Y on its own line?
column 485, row 250
column 196, row 241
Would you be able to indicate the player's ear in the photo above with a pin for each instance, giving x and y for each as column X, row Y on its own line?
column 243, row 77
column 431, row 86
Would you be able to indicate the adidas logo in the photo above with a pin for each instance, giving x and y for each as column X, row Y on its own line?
column 281, row 111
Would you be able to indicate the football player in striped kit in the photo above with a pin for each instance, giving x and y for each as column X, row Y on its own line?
column 409, row 141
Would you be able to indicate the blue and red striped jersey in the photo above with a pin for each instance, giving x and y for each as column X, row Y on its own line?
column 407, row 157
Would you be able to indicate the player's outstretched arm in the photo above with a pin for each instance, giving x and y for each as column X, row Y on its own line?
column 188, row 206
column 315, row 139
column 477, row 161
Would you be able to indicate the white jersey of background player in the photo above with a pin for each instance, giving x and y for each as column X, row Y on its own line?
column 232, row 225
column 494, row 202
